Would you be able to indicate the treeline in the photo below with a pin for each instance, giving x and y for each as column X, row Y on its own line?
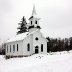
column 58, row 44
column 2, row 49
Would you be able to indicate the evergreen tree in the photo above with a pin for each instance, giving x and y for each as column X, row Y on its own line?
column 23, row 26
column 70, row 43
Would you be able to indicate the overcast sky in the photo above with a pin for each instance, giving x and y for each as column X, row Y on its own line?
column 56, row 16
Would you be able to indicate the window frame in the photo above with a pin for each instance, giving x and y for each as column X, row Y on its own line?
column 28, row 47
column 31, row 22
column 41, row 47
column 7, row 48
column 14, row 48
column 17, row 47
column 36, row 22
column 10, row 48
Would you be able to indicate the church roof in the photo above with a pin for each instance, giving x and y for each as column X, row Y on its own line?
column 22, row 36
column 33, row 32
column 17, row 37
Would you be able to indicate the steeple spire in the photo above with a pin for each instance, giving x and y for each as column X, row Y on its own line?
column 34, row 19
column 34, row 11
column 34, row 14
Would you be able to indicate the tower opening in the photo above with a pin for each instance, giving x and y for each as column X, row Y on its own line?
column 31, row 22
column 35, row 22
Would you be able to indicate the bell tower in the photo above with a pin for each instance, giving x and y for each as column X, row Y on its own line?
column 34, row 20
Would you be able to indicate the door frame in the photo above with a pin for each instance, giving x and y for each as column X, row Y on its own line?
column 36, row 48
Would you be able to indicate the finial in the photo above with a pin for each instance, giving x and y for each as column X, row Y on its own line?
column 34, row 11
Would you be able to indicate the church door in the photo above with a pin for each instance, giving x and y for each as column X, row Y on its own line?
column 36, row 49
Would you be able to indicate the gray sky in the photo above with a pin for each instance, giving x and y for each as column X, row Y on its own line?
column 56, row 16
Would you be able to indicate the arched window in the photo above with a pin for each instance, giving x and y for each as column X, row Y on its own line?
column 41, row 47
column 10, row 48
column 17, row 47
column 13, row 47
column 28, row 47
column 35, row 22
column 7, row 48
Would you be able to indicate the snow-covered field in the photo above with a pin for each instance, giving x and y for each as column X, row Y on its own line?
column 53, row 62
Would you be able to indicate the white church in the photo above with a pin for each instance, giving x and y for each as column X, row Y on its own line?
column 29, row 43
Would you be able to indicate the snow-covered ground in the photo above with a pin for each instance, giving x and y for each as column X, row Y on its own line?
column 53, row 62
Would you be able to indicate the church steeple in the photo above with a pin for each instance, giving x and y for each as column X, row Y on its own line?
column 34, row 20
column 34, row 14
column 34, row 11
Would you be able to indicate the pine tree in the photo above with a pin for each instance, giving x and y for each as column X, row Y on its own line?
column 23, row 26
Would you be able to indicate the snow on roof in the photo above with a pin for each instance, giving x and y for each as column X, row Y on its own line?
column 33, row 32
column 18, row 37
column 34, row 16
column 22, row 36
column 43, row 34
